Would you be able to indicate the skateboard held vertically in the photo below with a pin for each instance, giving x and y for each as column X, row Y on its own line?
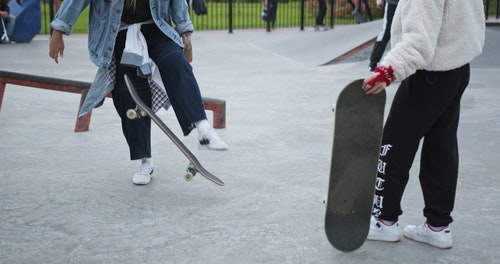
column 355, row 155
column 142, row 110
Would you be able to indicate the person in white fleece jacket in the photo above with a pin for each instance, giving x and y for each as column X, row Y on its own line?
column 432, row 43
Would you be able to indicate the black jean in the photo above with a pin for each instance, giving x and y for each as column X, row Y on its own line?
column 180, row 84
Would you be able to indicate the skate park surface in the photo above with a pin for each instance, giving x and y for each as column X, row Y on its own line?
column 67, row 197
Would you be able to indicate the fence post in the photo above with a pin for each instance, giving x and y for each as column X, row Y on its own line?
column 302, row 10
column 332, row 13
column 498, row 8
column 268, row 20
column 230, row 14
column 487, row 7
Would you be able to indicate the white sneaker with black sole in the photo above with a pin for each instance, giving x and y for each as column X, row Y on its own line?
column 423, row 233
column 211, row 141
column 143, row 175
column 382, row 232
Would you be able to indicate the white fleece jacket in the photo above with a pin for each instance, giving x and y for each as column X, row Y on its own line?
column 435, row 35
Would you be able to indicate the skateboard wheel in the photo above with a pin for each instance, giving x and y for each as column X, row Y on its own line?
column 190, row 172
column 188, row 176
column 132, row 114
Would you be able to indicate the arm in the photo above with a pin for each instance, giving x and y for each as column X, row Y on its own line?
column 56, row 46
column 67, row 15
column 180, row 16
column 419, row 27
column 416, row 31
column 62, row 24
column 188, row 48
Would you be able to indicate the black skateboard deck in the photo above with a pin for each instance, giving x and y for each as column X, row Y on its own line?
column 143, row 110
column 355, row 155
column 358, row 16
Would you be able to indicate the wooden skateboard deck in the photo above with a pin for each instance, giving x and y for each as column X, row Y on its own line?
column 143, row 110
column 355, row 156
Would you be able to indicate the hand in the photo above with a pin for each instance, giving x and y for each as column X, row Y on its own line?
column 4, row 14
column 380, row 3
column 188, row 48
column 56, row 46
column 373, row 88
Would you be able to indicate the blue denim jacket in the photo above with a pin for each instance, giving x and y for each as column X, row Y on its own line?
column 104, row 24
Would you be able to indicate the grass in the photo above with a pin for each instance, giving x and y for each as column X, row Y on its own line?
column 80, row 26
column 245, row 15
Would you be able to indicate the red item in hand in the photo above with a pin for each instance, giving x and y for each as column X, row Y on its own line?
column 386, row 74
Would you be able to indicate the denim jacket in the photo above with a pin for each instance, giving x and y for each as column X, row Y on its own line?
column 104, row 24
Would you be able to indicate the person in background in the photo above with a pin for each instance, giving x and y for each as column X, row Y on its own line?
column 321, row 16
column 272, row 10
column 136, row 38
column 430, row 55
column 8, row 20
column 385, row 34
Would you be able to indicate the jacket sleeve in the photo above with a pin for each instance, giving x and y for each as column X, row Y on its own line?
column 67, row 15
column 415, row 32
column 179, row 12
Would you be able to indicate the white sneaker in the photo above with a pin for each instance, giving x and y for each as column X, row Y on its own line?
column 382, row 232
column 143, row 175
column 211, row 141
column 422, row 233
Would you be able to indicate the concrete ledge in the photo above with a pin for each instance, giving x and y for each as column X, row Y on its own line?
column 217, row 106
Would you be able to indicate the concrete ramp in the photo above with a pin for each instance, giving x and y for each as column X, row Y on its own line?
column 320, row 48
column 490, row 58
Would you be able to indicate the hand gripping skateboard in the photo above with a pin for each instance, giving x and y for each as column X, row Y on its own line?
column 355, row 156
column 142, row 110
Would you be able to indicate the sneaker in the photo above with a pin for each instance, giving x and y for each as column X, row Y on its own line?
column 382, row 232
column 316, row 28
column 211, row 141
column 143, row 175
column 422, row 233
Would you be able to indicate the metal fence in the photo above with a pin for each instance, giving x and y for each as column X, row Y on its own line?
column 247, row 14
column 490, row 6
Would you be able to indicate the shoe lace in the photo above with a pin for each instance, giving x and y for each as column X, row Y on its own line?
column 144, row 169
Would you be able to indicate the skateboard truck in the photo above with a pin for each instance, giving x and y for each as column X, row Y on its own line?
column 190, row 173
column 135, row 113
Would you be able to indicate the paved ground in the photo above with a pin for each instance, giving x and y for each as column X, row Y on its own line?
column 67, row 197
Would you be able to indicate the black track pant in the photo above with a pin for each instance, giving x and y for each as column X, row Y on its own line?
column 426, row 106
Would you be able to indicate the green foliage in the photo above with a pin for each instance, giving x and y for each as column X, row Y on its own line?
column 80, row 27
column 246, row 15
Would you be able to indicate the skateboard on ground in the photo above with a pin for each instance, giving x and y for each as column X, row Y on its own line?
column 355, row 156
column 358, row 16
column 142, row 110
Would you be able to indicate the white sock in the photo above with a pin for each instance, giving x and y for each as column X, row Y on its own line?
column 203, row 126
column 436, row 228
column 387, row 222
column 148, row 161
